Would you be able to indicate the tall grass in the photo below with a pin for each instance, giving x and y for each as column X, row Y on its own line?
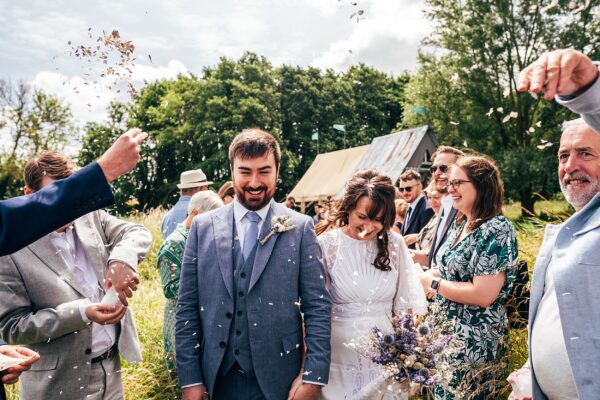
column 150, row 380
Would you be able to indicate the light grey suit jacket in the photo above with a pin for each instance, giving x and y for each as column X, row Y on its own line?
column 287, row 279
column 41, row 298
column 574, row 247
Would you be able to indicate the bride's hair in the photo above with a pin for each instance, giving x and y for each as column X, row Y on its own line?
column 379, row 188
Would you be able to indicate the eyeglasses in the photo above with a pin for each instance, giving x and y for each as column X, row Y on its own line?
column 407, row 189
column 443, row 168
column 455, row 184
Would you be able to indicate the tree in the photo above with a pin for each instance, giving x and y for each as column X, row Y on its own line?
column 34, row 121
column 465, row 86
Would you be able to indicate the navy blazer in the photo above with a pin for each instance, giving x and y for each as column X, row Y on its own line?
column 420, row 216
column 25, row 219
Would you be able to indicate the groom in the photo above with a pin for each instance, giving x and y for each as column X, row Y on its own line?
column 242, row 292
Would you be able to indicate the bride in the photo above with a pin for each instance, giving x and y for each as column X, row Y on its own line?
column 371, row 277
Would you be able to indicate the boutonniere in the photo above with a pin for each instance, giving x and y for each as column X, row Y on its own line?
column 279, row 224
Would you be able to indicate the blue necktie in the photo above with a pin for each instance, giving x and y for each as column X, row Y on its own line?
column 251, row 235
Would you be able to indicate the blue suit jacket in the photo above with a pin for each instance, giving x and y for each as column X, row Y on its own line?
column 287, row 271
column 575, row 248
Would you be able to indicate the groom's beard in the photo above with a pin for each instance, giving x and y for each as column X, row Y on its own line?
column 254, row 198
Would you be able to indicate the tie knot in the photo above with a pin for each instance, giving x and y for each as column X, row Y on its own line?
column 252, row 216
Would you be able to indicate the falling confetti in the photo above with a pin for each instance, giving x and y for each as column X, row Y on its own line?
column 453, row 123
column 490, row 112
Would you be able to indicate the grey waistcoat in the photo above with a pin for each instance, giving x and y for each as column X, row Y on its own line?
column 238, row 343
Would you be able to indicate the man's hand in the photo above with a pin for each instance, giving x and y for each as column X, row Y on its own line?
column 307, row 391
column 104, row 314
column 123, row 155
column 410, row 239
column 197, row 392
column 295, row 385
column 420, row 257
column 559, row 72
column 511, row 396
column 123, row 278
column 12, row 373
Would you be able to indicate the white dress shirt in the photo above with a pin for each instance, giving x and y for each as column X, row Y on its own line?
column 241, row 222
column 69, row 247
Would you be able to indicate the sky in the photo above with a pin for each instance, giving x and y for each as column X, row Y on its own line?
column 183, row 36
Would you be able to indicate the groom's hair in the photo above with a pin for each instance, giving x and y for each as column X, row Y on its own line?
column 253, row 143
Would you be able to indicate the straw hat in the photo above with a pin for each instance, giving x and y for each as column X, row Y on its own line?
column 192, row 179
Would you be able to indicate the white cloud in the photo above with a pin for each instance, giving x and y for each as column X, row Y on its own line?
column 89, row 100
column 387, row 38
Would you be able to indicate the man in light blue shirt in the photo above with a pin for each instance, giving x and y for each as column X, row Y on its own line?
column 191, row 182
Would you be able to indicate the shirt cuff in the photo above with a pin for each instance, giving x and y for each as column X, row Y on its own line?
column 82, row 306
column 313, row 383
column 192, row 385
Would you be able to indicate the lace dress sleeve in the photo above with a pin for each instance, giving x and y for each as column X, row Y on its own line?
column 329, row 245
column 409, row 292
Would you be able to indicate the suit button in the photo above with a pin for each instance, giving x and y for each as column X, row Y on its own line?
column 222, row 345
column 239, row 313
column 228, row 315
column 88, row 351
column 238, row 333
column 243, row 275
column 241, row 294
column 236, row 352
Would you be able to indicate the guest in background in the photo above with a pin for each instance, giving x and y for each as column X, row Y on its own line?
column 170, row 256
column 425, row 237
column 401, row 209
column 477, row 266
column 290, row 202
column 226, row 192
column 191, row 182
column 419, row 213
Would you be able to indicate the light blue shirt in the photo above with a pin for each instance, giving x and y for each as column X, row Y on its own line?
column 175, row 216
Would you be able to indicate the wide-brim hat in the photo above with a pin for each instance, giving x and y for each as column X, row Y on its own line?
column 192, row 179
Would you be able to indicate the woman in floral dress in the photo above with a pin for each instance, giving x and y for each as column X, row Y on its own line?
column 170, row 256
column 477, row 267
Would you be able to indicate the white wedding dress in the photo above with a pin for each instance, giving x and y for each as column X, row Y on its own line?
column 363, row 297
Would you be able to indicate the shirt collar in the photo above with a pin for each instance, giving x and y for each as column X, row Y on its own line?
column 239, row 211
column 61, row 235
column 414, row 203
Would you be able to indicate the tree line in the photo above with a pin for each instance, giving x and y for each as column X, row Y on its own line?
column 464, row 88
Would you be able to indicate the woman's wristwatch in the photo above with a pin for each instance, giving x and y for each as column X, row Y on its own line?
column 435, row 285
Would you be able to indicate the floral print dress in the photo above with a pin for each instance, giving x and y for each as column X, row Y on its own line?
column 487, row 250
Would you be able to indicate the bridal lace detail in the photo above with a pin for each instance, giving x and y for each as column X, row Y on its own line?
column 364, row 296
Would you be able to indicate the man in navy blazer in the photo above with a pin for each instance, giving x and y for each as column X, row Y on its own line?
column 420, row 212
column 252, row 279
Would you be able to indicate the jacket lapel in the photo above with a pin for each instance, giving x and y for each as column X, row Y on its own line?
column 48, row 255
column 414, row 213
column 263, row 251
column 223, row 223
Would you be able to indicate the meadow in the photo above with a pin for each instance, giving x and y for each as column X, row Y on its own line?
column 150, row 380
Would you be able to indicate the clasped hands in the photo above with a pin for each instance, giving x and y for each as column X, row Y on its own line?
column 29, row 357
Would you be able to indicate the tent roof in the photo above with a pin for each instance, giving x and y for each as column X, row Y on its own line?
column 391, row 153
column 327, row 174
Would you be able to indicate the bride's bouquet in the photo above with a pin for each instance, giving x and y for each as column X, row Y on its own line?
column 414, row 351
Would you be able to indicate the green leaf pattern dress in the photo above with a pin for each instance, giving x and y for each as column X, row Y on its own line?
column 487, row 250
column 170, row 256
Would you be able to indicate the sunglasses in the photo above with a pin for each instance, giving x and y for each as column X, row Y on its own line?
column 443, row 169
column 407, row 189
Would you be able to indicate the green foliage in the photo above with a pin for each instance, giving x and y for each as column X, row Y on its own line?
column 467, row 78
column 192, row 121
column 34, row 121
